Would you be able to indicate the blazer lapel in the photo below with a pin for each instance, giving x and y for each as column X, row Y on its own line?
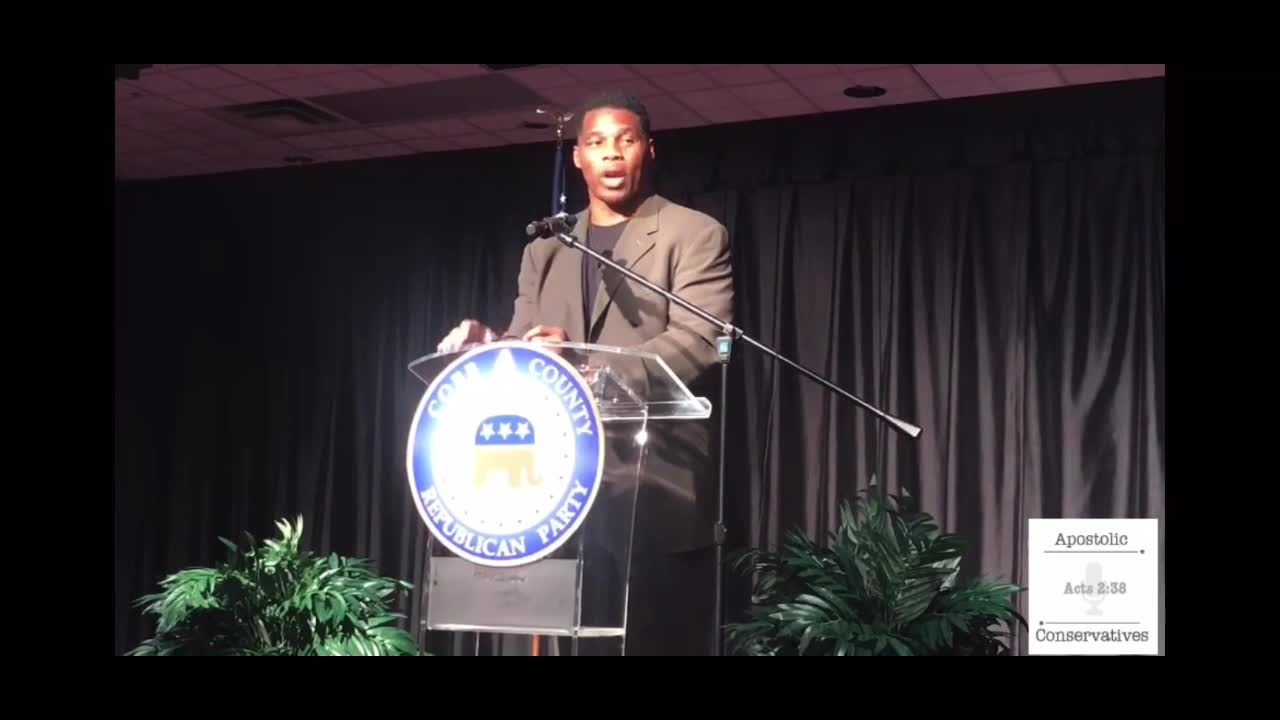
column 568, row 279
column 636, row 241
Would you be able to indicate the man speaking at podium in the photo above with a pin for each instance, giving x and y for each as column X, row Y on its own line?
column 563, row 295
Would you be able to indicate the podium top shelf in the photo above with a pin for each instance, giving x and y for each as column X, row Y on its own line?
column 627, row 384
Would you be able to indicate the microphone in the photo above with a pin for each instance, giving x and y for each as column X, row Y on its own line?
column 549, row 226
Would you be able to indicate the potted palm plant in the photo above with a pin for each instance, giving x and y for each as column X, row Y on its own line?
column 884, row 584
column 274, row 598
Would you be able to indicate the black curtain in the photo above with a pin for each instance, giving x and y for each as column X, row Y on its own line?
column 991, row 269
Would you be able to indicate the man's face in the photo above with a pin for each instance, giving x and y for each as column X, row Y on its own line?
column 613, row 154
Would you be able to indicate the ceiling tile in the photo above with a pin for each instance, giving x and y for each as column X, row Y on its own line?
column 202, row 99
column 403, row 132
column 185, row 139
column 652, row 70
column 821, row 85
column 180, row 155
column 249, row 93
column 676, row 120
column 741, row 74
column 998, row 70
column 314, row 69
column 639, row 87
column 162, row 83
column 1080, row 74
column 449, row 71
column 766, row 92
column 685, row 82
column 891, row 78
column 192, row 120
column 268, row 149
column 909, row 95
column 401, row 74
column 223, row 152
column 448, row 127
column 803, row 71
column 521, row 136
column 850, row 69
column 430, row 144
column 716, row 98
column 352, row 80
column 334, row 139
column 540, row 78
column 501, row 121
column 1028, row 81
column 599, row 73
column 841, row 103
column 259, row 73
column 300, row 86
column 791, row 106
column 138, row 142
column 341, row 154
column 965, row 88
column 384, row 149
column 222, row 132
column 146, row 123
column 948, row 73
column 729, row 114
column 666, row 112
column 208, row 77
column 476, row 140
column 566, row 97
column 154, row 104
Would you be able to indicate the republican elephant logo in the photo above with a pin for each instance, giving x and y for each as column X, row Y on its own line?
column 505, row 450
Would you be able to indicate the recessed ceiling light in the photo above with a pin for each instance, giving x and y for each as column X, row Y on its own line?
column 534, row 125
column 864, row 91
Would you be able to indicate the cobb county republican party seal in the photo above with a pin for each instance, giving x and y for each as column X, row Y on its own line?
column 505, row 454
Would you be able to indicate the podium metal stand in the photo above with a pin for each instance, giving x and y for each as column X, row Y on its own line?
column 531, row 518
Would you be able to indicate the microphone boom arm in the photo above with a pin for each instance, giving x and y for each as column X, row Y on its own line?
column 736, row 333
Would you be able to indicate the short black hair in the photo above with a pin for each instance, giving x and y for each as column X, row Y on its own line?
column 613, row 101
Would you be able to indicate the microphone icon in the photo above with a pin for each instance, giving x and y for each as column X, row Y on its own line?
column 1093, row 581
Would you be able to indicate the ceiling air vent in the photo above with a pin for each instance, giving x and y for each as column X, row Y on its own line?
column 280, row 117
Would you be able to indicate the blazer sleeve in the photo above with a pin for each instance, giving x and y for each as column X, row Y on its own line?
column 703, row 275
column 526, row 302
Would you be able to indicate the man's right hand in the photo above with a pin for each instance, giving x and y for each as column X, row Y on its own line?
column 468, row 332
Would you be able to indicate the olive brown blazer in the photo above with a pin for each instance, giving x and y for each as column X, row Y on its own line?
column 686, row 252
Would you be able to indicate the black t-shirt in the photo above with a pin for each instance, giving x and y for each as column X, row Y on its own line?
column 601, row 239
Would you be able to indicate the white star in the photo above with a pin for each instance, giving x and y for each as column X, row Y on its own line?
column 522, row 430
column 505, row 430
column 486, row 432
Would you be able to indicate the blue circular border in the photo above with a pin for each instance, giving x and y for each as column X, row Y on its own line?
column 588, row 455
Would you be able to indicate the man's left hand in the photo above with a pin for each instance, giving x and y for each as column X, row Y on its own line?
column 545, row 333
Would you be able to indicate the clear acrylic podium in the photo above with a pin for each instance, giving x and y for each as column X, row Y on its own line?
column 577, row 596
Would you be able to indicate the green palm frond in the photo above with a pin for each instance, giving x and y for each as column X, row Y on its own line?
column 274, row 598
column 883, row 584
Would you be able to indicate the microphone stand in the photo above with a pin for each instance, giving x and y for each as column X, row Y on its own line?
column 729, row 334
